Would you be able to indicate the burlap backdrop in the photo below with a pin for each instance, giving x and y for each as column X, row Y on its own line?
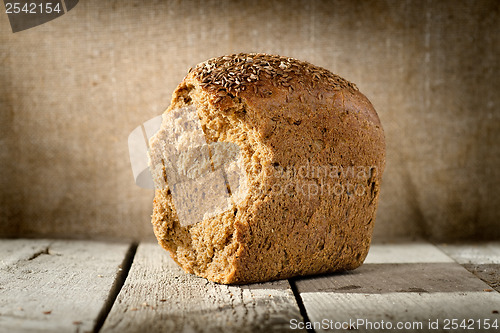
column 71, row 91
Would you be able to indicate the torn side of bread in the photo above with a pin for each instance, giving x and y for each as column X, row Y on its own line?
column 265, row 168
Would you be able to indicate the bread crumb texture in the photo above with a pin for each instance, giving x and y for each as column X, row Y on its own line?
column 310, row 161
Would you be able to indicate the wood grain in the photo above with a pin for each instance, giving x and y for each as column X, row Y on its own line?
column 56, row 286
column 13, row 251
column 159, row 297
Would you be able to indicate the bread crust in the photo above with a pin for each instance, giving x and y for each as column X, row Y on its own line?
column 313, row 152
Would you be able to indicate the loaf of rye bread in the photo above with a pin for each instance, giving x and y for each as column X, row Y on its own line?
column 311, row 153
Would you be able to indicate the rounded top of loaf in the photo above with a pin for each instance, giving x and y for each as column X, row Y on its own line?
column 261, row 80
column 235, row 73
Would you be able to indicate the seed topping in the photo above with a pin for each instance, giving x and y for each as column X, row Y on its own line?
column 231, row 74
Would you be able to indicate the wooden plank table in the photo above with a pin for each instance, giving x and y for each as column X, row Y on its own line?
column 89, row 286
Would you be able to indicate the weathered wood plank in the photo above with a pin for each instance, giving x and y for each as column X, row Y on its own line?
column 414, row 309
column 159, row 297
column 396, row 278
column 418, row 252
column 14, row 250
column 483, row 260
column 429, row 287
column 489, row 273
column 483, row 253
column 58, row 286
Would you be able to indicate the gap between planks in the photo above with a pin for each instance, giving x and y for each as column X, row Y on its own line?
column 159, row 297
column 116, row 287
